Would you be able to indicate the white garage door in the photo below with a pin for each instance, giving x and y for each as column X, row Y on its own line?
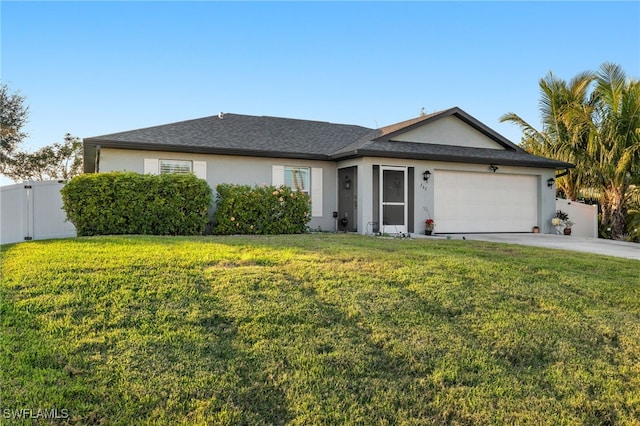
column 485, row 202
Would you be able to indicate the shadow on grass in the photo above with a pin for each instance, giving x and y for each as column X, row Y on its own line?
column 176, row 367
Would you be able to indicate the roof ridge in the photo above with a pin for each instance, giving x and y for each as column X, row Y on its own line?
column 308, row 120
column 391, row 128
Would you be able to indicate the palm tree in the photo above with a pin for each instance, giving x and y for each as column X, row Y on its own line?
column 598, row 131
column 557, row 137
column 614, row 143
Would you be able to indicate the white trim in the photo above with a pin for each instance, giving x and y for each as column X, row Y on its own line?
column 277, row 175
column 316, row 192
column 200, row 169
column 151, row 166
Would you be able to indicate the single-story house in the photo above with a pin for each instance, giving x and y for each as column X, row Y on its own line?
column 447, row 166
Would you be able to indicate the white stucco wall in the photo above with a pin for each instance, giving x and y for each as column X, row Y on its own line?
column 232, row 169
column 256, row 171
column 449, row 131
column 584, row 216
column 424, row 194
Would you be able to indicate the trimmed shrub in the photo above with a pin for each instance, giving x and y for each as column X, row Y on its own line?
column 242, row 209
column 131, row 203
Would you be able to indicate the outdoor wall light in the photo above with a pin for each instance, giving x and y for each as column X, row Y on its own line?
column 493, row 168
column 347, row 182
column 550, row 182
column 426, row 175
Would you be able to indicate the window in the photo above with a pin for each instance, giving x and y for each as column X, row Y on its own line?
column 300, row 178
column 178, row 167
column 297, row 178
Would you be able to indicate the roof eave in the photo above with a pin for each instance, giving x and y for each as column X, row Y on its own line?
column 545, row 163
column 104, row 143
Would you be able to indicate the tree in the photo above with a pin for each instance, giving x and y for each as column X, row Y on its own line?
column 13, row 116
column 558, row 97
column 60, row 161
column 593, row 122
column 615, row 143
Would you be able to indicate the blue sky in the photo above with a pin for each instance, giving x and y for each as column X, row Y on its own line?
column 91, row 68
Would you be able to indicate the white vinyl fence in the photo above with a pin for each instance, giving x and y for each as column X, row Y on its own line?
column 584, row 216
column 33, row 211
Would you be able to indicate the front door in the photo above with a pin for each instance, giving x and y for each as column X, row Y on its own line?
column 393, row 199
column 347, row 199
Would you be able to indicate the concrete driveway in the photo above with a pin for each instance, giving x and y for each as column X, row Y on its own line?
column 563, row 242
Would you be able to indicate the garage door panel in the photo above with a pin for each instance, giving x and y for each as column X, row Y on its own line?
column 485, row 202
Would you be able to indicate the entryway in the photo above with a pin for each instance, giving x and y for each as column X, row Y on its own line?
column 393, row 199
column 348, row 199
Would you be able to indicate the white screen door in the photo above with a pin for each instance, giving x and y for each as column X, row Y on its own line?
column 393, row 199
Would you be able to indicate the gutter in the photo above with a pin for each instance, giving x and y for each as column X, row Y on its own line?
column 545, row 163
column 210, row 150
column 357, row 153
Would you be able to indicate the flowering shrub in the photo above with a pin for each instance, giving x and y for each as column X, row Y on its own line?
column 430, row 224
column 242, row 209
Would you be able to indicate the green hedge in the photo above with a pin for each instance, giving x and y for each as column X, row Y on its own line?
column 130, row 203
column 242, row 209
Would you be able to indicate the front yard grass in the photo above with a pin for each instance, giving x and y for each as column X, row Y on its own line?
column 317, row 329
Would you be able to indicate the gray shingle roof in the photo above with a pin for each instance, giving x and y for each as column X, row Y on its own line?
column 240, row 134
column 292, row 138
column 458, row 154
column 395, row 127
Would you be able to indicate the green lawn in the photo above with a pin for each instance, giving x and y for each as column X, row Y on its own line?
column 317, row 329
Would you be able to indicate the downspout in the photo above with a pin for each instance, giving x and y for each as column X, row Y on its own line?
column 97, row 160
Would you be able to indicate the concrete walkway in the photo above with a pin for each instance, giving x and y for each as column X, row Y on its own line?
column 563, row 242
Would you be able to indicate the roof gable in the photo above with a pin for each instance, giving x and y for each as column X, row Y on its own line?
column 448, row 130
column 426, row 138
column 452, row 127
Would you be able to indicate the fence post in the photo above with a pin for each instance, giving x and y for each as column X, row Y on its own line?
column 28, row 187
